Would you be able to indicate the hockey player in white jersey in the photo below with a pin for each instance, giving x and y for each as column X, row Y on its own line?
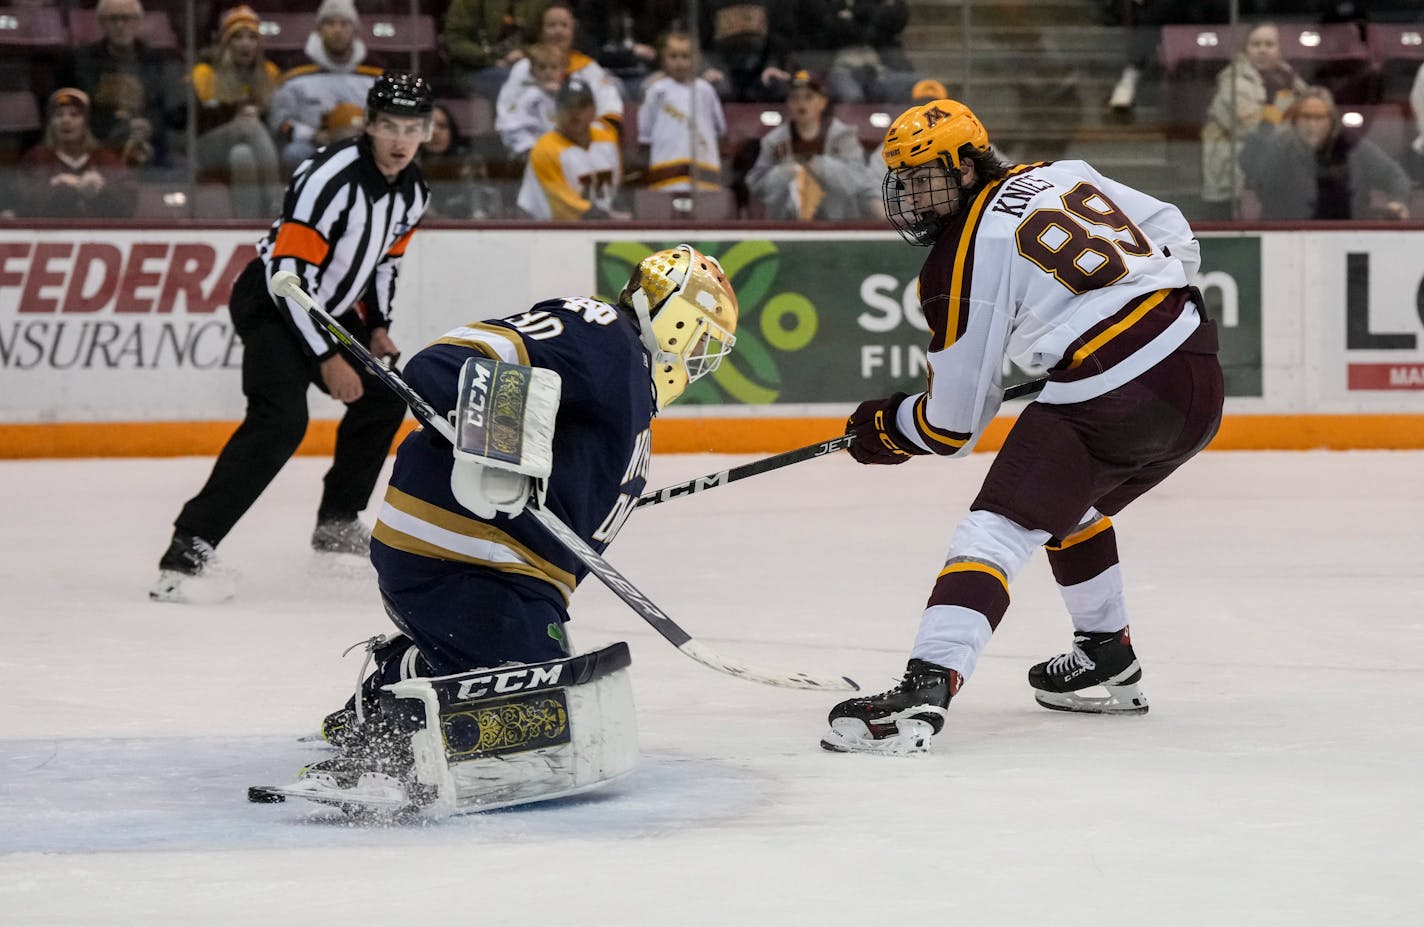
column 1057, row 268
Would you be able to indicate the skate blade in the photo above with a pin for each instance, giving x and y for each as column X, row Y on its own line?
column 1120, row 700
column 848, row 735
column 372, row 803
column 184, row 589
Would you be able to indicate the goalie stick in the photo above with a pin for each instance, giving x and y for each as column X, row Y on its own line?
column 285, row 283
column 776, row 462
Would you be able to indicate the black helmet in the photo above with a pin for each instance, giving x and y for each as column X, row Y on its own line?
column 400, row 93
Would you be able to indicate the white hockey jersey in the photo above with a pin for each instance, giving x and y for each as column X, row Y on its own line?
column 1055, row 267
column 564, row 180
column 530, row 115
column 607, row 98
column 666, row 123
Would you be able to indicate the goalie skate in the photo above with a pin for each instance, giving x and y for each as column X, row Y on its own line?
column 1097, row 660
column 371, row 795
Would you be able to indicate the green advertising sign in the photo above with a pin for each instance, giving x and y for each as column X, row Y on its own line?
column 838, row 321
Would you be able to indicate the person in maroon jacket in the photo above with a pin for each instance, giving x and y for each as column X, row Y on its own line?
column 69, row 175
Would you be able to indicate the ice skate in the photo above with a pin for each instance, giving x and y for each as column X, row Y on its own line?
column 341, row 536
column 899, row 721
column 189, row 572
column 1103, row 659
column 356, row 785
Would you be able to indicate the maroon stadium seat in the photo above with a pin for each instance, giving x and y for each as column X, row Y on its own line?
column 750, row 120
column 870, row 120
column 19, row 112
column 473, row 115
column 32, row 27
column 708, row 205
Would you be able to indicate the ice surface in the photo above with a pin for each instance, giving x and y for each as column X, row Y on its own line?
column 1278, row 604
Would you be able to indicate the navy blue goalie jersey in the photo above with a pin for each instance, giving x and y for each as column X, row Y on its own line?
column 601, row 450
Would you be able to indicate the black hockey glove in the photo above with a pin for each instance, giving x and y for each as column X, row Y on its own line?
column 876, row 439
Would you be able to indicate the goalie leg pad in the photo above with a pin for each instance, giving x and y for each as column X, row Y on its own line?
column 524, row 732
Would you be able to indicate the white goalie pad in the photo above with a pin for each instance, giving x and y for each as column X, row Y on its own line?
column 504, row 416
column 522, row 733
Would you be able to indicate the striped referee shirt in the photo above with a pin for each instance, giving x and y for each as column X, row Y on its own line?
column 343, row 230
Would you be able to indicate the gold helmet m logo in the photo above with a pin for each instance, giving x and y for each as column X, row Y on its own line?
column 933, row 116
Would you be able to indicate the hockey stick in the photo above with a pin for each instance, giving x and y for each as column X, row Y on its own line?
column 285, row 283
column 776, row 462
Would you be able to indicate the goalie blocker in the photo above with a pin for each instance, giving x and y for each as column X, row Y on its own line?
column 492, row 738
column 504, row 434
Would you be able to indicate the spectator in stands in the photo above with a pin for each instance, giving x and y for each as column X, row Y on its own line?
column 484, row 38
column 233, row 85
column 1256, row 87
column 677, row 105
column 1416, row 102
column 926, row 91
column 343, row 121
column 69, row 175
column 860, row 39
column 746, row 47
column 309, row 91
column 574, row 170
column 811, row 166
column 557, row 27
column 137, row 92
column 529, row 113
column 451, row 172
column 1308, row 168
column 622, row 36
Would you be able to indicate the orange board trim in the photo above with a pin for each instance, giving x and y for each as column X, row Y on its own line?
column 696, row 435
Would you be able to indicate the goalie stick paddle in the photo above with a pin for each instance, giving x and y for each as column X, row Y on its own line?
column 776, row 462
column 285, row 283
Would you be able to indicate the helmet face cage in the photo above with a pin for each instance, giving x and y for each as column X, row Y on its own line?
column 692, row 316
column 921, row 200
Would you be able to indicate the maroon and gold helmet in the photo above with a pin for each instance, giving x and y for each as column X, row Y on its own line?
column 934, row 130
column 923, row 188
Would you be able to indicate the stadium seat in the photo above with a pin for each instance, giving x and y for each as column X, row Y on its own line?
column 25, row 27
column 870, row 120
column 1387, row 126
column 750, row 121
column 212, row 201
column 473, row 115
column 285, row 32
column 1398, row 51
column 707, row 205
column 389, row 32
column 157, row 30
column 161, row 201
column 19, row 112
column 1300, row 42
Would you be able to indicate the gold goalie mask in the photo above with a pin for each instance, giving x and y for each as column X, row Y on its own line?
column 687, row 314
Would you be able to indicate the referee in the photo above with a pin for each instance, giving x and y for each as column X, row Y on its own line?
column 347, row 218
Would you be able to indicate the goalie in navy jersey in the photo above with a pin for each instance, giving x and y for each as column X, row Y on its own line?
column 471, row 583
column 1058, row 268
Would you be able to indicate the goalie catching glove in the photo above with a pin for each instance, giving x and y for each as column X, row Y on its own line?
column 875, row 438
column 504, row 435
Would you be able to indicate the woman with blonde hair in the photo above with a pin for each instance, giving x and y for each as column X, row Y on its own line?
column 69, row 175
column 1308, row 168
column 233, row 86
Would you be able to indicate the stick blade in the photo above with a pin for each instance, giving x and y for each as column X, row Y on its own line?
column 714, row 660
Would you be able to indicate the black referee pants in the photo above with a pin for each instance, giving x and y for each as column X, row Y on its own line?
column 276, row 373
